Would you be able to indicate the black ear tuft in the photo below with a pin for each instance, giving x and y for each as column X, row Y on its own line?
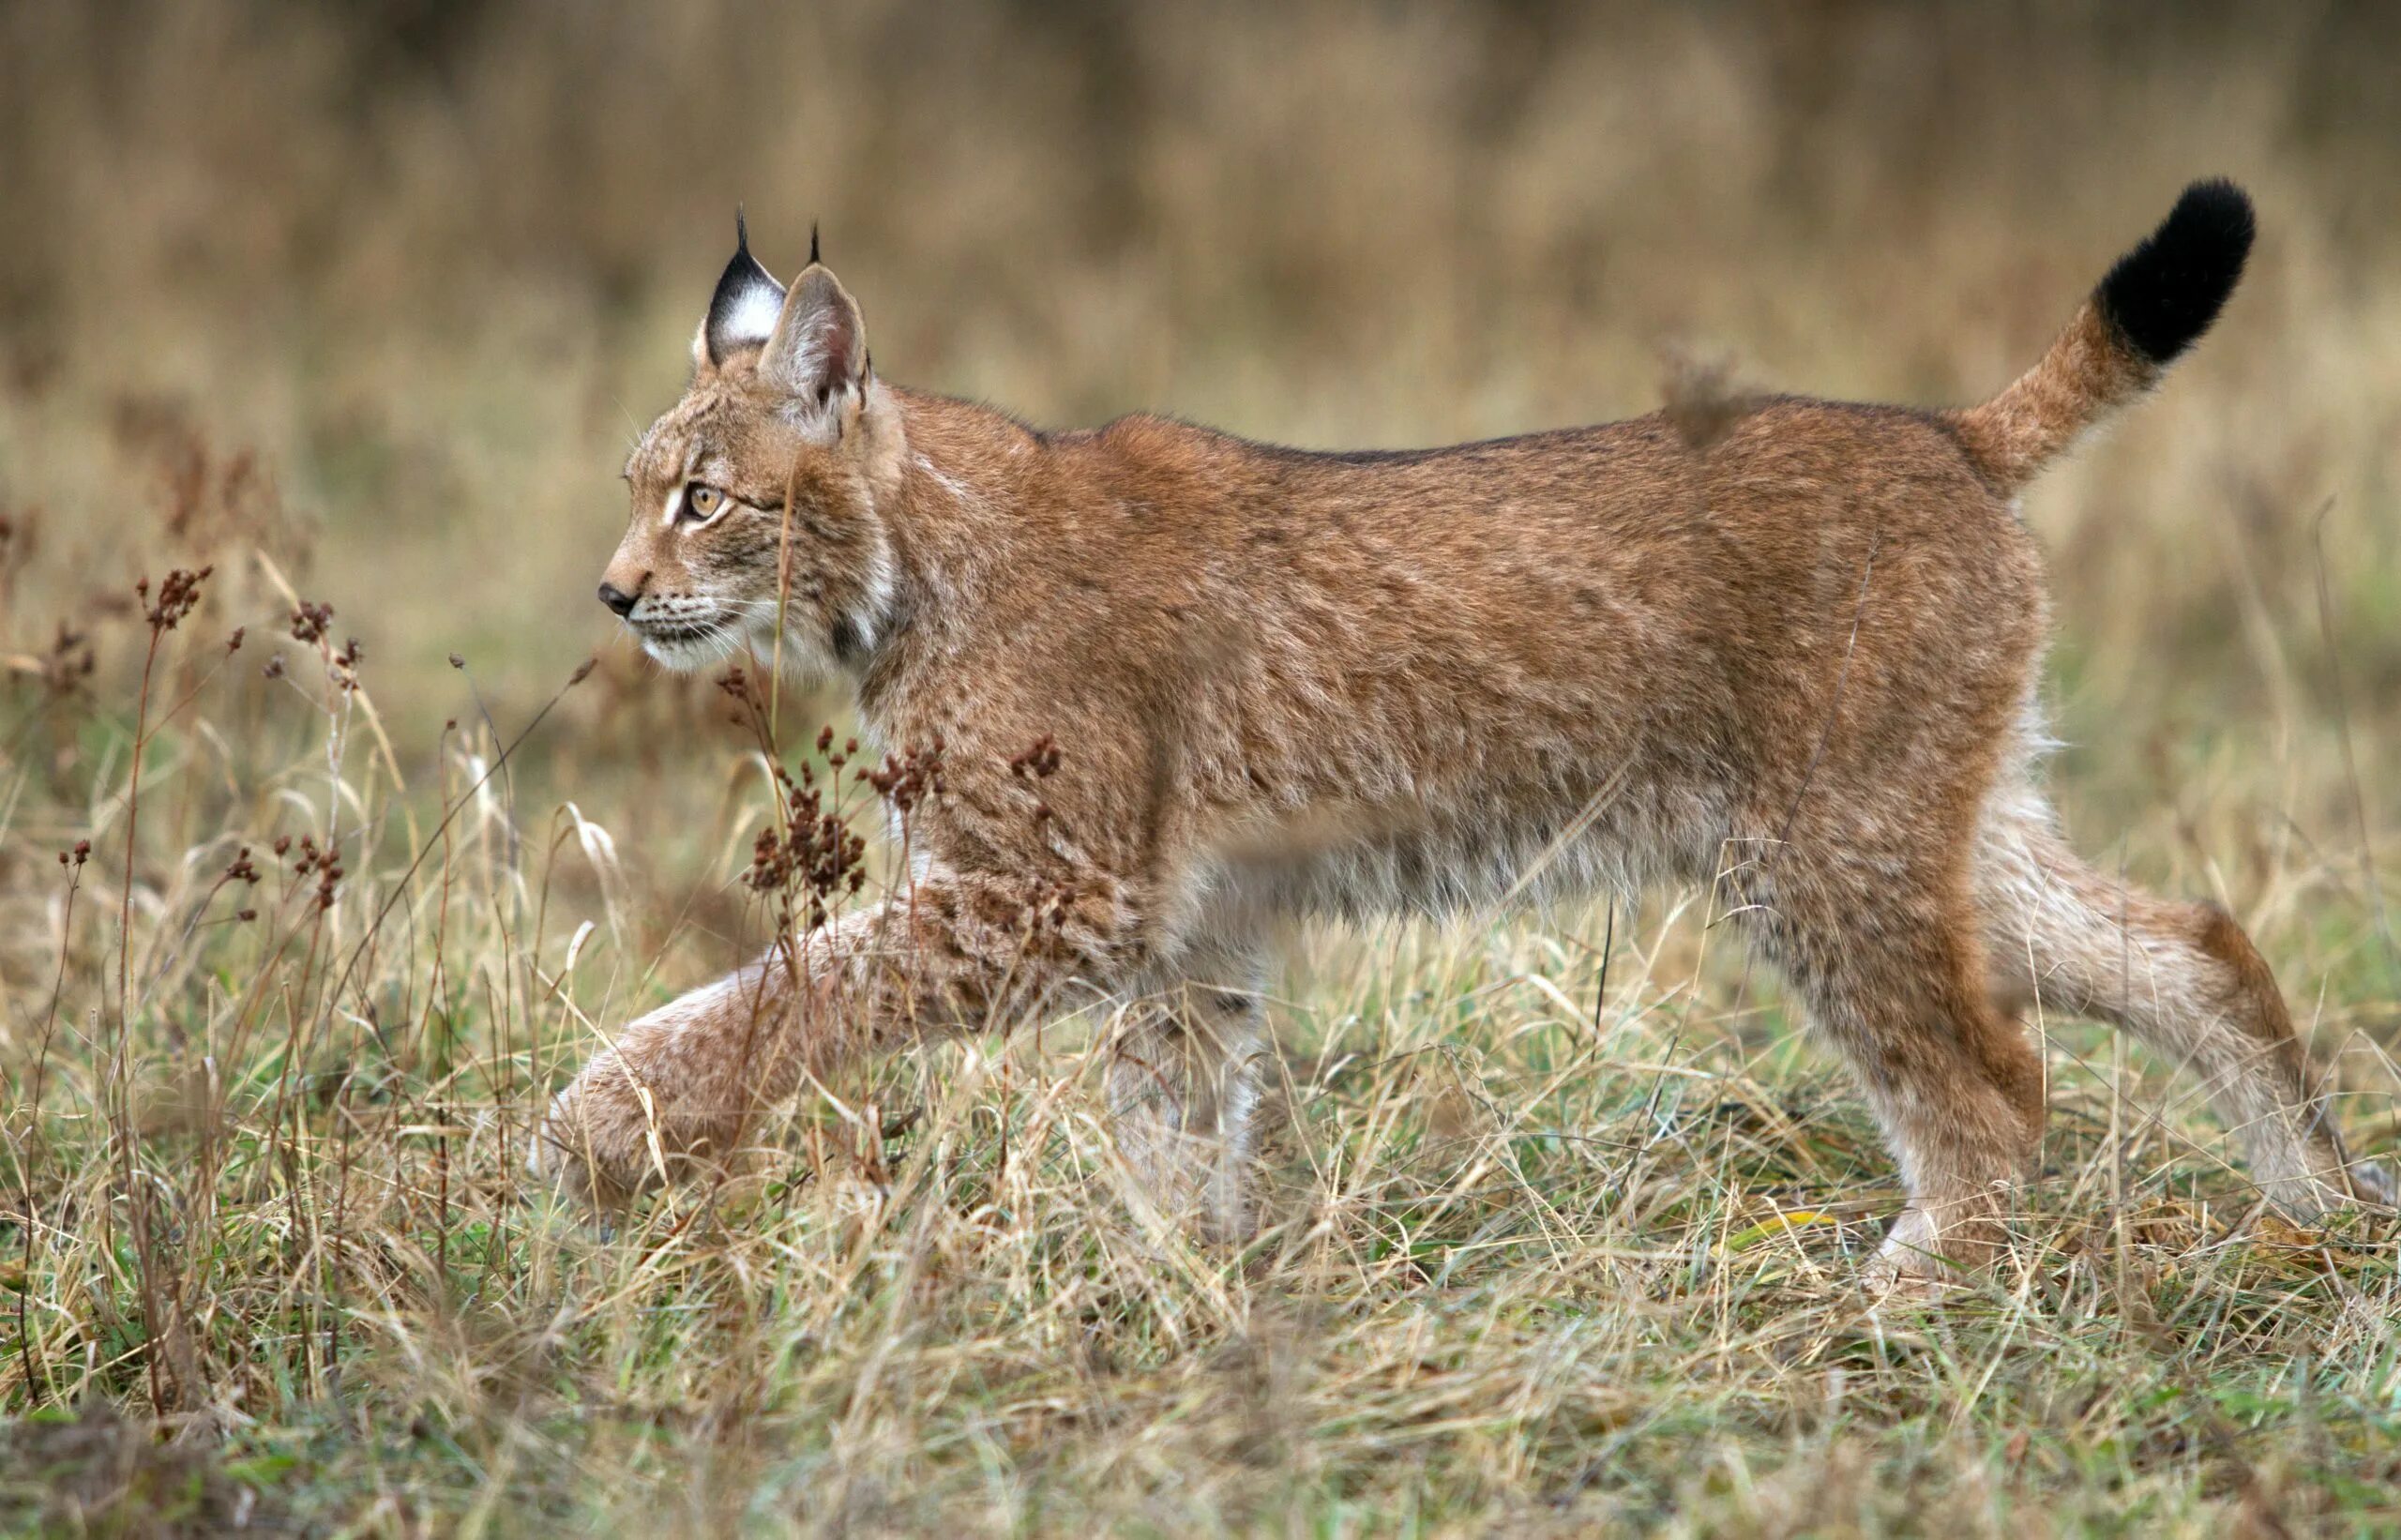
column 812, row 243
column 743, row 311
column 2165, row 292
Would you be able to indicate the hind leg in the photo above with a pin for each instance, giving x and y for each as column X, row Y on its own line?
column 1884, row 945
column 2184, row 978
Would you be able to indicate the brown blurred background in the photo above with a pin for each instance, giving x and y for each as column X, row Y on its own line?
column 372, row 297
column 429, row 266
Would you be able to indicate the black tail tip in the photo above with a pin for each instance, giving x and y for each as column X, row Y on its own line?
column 2165, row 292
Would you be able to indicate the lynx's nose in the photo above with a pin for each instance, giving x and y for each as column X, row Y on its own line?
column 618, row 600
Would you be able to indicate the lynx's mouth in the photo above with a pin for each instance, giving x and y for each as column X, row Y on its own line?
column 685, row 644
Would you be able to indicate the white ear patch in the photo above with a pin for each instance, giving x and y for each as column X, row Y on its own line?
column 742, row 312
column 751, row 318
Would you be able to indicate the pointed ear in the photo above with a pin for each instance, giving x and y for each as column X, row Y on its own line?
column 819, row 349
column 742, row 313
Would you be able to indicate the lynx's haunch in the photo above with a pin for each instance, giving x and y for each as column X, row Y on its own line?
column 1796, row 655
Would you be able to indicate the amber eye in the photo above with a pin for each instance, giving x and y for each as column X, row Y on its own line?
column 701, row 501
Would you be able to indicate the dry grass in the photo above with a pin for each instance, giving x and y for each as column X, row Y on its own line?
column 358, row 313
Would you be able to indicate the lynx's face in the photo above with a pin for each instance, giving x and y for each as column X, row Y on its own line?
column 754, row 498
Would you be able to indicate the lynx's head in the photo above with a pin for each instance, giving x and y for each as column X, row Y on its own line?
column 755, row 497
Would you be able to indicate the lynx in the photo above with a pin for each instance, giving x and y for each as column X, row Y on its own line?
column 1792, row 649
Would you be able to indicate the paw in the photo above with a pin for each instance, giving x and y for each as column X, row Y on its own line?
column 668, row 1098
column 595, row 1142
column 2308, row 1195
column 1190, row 1181
column 1887, row 1282
column 1906, row 1266
column 1921, row 1261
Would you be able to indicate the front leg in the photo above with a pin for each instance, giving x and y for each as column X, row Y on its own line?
column 680, row 1087
column 1183, row 1094
column 677, row 1088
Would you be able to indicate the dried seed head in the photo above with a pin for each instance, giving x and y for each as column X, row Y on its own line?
column 69, row 664
column 910, row 776
column 177, row 598
column 311, row 621
column 1040, row 762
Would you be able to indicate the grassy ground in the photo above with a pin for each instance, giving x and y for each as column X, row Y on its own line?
column 1564, row 1215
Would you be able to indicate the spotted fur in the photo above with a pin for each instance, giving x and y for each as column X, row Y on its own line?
column 1795, row 655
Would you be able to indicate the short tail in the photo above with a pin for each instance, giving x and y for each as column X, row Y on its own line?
column 2155, row 303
